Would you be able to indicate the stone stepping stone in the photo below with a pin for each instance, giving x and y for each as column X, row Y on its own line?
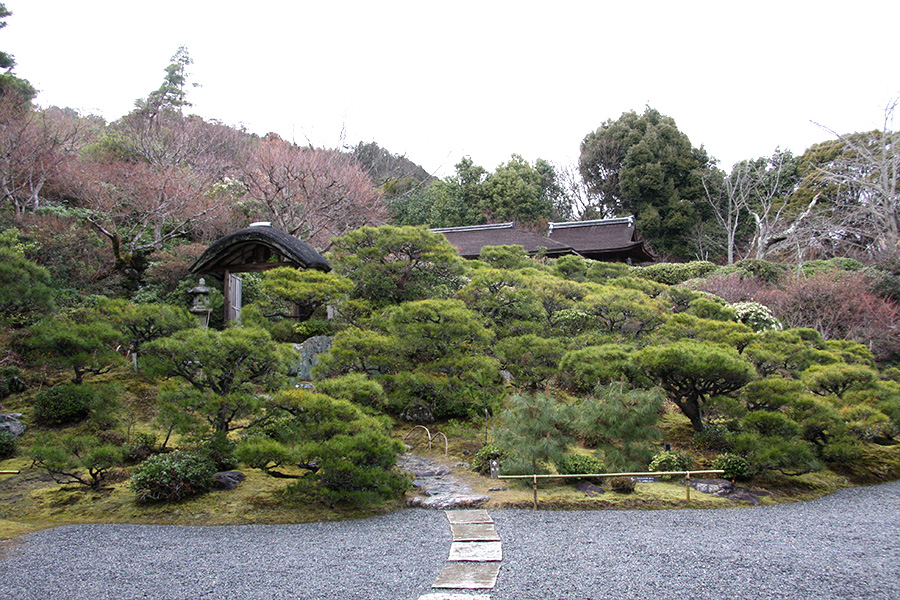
column 443, row 596
column 475, row 552
column 468, row 516
column 468, row 576
column 474, row 532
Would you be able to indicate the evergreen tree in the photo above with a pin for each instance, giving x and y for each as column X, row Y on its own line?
column 532, row 433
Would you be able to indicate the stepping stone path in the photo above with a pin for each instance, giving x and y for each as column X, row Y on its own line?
column 437, row 487
column 475, row 556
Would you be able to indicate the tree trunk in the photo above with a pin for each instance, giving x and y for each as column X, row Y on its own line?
column 691, row 409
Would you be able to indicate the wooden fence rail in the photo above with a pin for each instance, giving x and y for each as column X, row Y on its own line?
column 687, row 475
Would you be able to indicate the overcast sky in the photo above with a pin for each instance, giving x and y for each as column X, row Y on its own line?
column 441, row 80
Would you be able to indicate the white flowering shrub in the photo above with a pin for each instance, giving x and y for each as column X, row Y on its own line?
column 756, row 316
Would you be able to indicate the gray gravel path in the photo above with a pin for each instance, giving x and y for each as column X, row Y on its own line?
column 846, row 545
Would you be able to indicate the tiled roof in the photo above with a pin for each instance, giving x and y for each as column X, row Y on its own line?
column 603, row 239
column 469, row 240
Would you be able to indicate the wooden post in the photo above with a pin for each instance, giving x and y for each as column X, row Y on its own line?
column 226, row 291
column 687, row 486
column 534, row 485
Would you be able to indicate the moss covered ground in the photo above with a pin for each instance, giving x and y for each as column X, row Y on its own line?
column 31, row 500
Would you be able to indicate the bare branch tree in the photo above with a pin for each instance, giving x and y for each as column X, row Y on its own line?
column 312, row 193
column 33, row 146
column 866, row 171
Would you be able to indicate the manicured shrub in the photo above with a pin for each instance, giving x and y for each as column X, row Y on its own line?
column 763, row 270
column 674, row 273
column 771, row 423
column 355, row 387
column 621, row 485
column 172, row 477
column 8, row 444
column 140, row 448
column 481, row 463
column 63, row 404
column 580, row 464
column 582, row 370
column 756, row 316
column 714, row 437
column 706, row 308
column 75, row 459
column 600, row 271
column 671, row 461
column 843, row 451
column 736, row 467
column 220, row 450
column 356, row 469
column 10, row 382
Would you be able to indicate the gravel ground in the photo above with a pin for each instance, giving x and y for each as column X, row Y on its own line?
column 846, row 545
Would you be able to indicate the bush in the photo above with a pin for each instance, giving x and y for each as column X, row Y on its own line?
column 355, row 387
column 141, row 446
column 601, row 271
column 75, row 459
column 220, row 450
column 763, row 270
column 172, row 477
column 356, row 469
column 843, row 451
column 622, row 485
column 714, row 437
column 481, row 463
column 8, row 444
column 756, row 316
column 671, row 461
column 63, row 404
column 10, row 382
column 735, row 467
column 580, row 464
column 674, row 273
column 582, row 370
column 706, row 308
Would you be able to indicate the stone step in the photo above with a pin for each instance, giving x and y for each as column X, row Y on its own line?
column 474, row 532
column 475, row 552
column 468, row 516
column 468, row 575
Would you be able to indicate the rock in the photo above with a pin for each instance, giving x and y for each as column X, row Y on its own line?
column 726, row 489
column 417, row 413
column 10, row 422
column 448, row 502
column 717, row 487
column 744, row 495
column 227, row 480
column 589, row 488
column 309, row 351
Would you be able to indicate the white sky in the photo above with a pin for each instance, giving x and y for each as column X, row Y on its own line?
column 441, row 80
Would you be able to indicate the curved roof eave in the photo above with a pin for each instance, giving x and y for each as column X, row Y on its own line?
column 219, row 256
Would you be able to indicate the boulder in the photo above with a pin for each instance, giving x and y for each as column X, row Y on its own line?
column 717, row 487
column 589, row 488
column 10, row 422
column 309, row 351
column 417, row 413
column 227, row 480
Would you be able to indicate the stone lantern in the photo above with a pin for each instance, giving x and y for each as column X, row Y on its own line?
column 200, row 307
